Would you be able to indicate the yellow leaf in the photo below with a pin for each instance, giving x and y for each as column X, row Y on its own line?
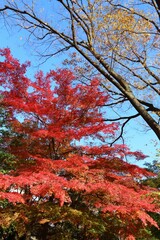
column 44, row 220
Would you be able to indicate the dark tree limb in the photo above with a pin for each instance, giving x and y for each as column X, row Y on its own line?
column 158, row 3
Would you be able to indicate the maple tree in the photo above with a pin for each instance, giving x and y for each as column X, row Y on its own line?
column 64, row 176
column 118, row 40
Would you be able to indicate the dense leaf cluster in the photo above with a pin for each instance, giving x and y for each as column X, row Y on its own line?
column 58, row 176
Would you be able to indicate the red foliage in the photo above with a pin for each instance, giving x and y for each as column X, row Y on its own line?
column 56, row 115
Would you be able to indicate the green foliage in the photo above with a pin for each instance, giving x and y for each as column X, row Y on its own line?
column 48, row 221
column 154, row 182
column 7, row 162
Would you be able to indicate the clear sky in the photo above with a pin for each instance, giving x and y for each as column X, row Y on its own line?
column 143, row 140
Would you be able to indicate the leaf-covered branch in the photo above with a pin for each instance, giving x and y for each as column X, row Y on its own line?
column 118, row 41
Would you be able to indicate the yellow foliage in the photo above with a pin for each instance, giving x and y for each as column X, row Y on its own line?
column 44, row 220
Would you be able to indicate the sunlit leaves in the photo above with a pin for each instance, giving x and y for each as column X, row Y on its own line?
column 51, row 120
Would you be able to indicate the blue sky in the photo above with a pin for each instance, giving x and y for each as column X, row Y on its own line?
column 137, row 138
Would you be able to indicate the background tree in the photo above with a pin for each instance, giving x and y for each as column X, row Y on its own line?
column 154, row 182
column 7, row 160
column 68, row 181
column 119, row 41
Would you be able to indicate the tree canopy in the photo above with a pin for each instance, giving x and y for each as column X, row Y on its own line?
column 117, row 40
column 65, row 180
